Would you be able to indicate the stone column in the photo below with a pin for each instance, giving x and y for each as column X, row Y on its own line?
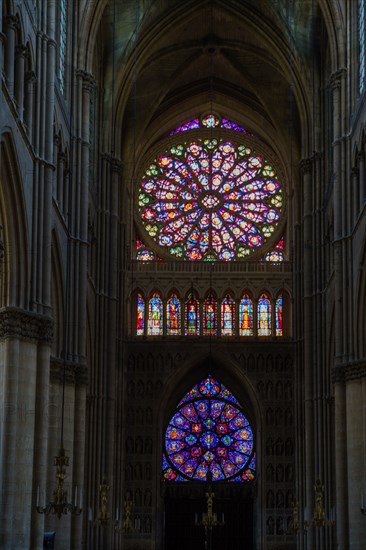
column 61, row 183
column 355, row 203
column 30, row 81
column 20, row 55
column 308, row 289
column 355, row 472
column 340, row 421
column 22, row 336
column 362, row 182
column 12, row 24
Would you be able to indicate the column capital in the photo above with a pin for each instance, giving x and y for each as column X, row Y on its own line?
column 21, row 50
column 353, row 370
column 336, row 78
column 30, row 77
column 26, row 325
column 62, row 157
column 11, row 22
column 306, row 165
column 88, row 79
column 114, row 162
column 360, row 157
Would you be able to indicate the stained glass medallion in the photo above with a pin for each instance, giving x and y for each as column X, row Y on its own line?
column 212, row 196
column 209, row 433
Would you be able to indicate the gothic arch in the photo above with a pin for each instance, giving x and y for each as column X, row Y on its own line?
column 178, row 383
column 14, row 288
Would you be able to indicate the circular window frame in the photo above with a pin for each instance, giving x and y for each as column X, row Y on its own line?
column 237, row 139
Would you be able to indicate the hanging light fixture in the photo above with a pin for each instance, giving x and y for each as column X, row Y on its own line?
column 59, row 504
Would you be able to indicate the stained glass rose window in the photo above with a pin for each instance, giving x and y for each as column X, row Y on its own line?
column 214, row 196
column 209, row 433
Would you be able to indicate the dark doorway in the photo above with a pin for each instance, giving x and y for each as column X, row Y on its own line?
column 181, row 533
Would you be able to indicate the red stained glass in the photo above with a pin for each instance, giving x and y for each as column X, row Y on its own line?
column 140, row 315
column 173, row 316
column 279, row 305
column 246, row 323
column 210, row 316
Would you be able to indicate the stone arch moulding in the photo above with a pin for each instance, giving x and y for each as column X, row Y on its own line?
column 14, row 287
column 226, row 371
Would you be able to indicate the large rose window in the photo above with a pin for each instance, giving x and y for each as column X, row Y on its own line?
column 211, row 198
column 209, row 433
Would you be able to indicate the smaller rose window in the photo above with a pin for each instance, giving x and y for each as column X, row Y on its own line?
column 209, row 433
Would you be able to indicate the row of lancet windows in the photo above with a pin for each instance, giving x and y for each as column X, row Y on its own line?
column 211, row 317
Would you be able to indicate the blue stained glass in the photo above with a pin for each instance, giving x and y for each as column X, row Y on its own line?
column 140, row 315
column 216, row 437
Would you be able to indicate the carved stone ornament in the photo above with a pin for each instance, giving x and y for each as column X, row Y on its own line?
column 75, row 373
column 356, row 370
column 18, row 323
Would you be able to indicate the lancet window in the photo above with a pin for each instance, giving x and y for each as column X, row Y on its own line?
column 264, row 316
column 155, row 318
column 210, row 316
column 62, row 41
column 192, row 317
column 361, row 43
column 227, row 316
column 173, row 316
column 140, row 317
column 248, row 317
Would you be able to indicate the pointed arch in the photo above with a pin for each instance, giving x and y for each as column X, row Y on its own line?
column 13, row 218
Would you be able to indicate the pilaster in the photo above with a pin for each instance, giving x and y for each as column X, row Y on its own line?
column 20, row 57
column 11, row 26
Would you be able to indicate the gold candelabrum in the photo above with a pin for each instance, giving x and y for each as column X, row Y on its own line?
column 295, row 524
column 104, row 518
column 209, row 519
column 127, row 523
column 59, row 505
column 319, row 518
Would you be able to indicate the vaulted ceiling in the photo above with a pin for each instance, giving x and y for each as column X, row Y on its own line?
column 257, row 62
